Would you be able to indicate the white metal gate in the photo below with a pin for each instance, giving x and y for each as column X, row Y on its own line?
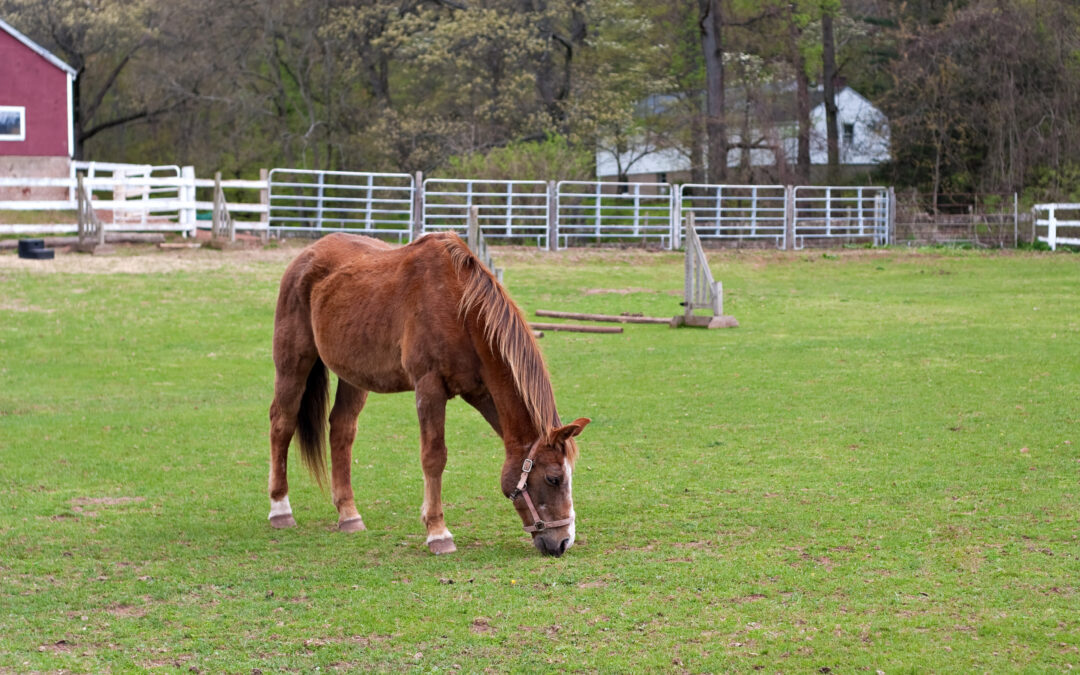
column 737, row 212
column 325, row 201
column 841, row 213
column 508, row 209
column 600, row 211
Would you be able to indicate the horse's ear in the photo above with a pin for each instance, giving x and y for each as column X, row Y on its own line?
column 560, row 435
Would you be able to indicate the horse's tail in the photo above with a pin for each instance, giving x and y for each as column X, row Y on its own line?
column 311, row 422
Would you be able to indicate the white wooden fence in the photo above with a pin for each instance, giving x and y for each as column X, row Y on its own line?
column 137, row 198
column 1062, row 223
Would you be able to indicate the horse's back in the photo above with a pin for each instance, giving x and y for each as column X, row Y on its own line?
column 373, row 310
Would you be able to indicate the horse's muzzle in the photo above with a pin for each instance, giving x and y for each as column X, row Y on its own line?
column 554, row 546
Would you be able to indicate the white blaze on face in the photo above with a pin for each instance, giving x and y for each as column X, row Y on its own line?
column 570, row 496
column 279, row 507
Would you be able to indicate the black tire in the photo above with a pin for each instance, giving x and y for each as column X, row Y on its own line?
column 40, row 254
column 28, row 245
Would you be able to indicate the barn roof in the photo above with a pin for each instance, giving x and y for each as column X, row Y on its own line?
column 44, row 53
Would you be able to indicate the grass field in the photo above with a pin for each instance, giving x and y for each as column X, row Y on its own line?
column 879, row 470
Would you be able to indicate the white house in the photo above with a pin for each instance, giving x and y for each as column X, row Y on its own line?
column 863, row 135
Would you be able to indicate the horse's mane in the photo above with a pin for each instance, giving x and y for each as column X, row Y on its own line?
column 507, row 333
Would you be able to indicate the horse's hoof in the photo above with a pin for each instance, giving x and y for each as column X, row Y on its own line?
column 351, row 525
column 441, row 546
column 282, row 521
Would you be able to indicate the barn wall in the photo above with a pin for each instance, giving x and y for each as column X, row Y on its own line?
column 31, row 81
column 34, row 167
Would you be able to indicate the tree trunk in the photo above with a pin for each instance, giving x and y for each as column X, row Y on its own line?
column 828, row 58
column 802, row 102
column 697, row 142
column 712, row 23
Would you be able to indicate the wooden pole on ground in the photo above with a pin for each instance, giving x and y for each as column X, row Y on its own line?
column 613, row 318
column 576, row 328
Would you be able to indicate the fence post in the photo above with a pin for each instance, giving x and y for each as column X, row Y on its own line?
column 215, row 214
column 187, row 200
column 890, row 227
column 264, row 201
column 789, row 217
column 676, row 218
column 1051, row 228
column 1016, row 220
column 418, row 205
column 552, row 217
column 688, row 268
column 473, row 233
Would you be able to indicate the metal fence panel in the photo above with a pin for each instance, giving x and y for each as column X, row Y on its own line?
column 508, row 209
column 841, row 213
column 607, row 211
column 304, row 200
column 736, row 212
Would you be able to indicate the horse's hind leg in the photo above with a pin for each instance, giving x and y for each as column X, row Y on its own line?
column 283, row 410
column 431, row 400
column 292, row 369
column 348, row 403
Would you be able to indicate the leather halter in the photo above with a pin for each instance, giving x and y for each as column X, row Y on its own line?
column 522, row 489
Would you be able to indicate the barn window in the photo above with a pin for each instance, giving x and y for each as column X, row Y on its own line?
column 12, row 123
column 849, row 135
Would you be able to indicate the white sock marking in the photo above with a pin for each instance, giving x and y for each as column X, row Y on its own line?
column 439, row 536
column 280, row 508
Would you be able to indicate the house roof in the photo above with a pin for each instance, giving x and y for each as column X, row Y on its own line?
column 44, row 53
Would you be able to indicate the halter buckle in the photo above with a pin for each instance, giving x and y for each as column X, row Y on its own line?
column 527, row 465
column 539, row 525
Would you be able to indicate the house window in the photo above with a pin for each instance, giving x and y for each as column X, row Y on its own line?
column 12, row 123
column 849, row 135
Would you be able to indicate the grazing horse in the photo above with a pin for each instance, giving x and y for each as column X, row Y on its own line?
column 426, row 317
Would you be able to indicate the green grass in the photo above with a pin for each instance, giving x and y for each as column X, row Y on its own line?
column 878, row 470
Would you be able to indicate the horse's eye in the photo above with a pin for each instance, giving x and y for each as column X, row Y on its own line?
column 553, row 481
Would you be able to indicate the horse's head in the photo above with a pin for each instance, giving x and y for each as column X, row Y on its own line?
column 541, row 488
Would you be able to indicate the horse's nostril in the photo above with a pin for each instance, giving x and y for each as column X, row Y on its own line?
column 563, row 545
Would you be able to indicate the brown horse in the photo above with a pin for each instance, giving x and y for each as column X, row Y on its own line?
column 427, row 317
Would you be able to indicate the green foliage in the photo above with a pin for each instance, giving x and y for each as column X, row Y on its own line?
column 875, row 471
column 551, row 159
column 1049, row 184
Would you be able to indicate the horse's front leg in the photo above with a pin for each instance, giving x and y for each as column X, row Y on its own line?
column 431, row 400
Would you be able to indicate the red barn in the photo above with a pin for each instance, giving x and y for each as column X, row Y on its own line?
column 36, row 125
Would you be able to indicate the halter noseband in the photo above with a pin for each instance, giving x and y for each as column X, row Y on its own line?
column 523, row 490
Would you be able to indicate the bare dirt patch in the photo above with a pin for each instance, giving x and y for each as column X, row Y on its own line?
column 481, row 626
column 141, row 259
column 122, row 611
